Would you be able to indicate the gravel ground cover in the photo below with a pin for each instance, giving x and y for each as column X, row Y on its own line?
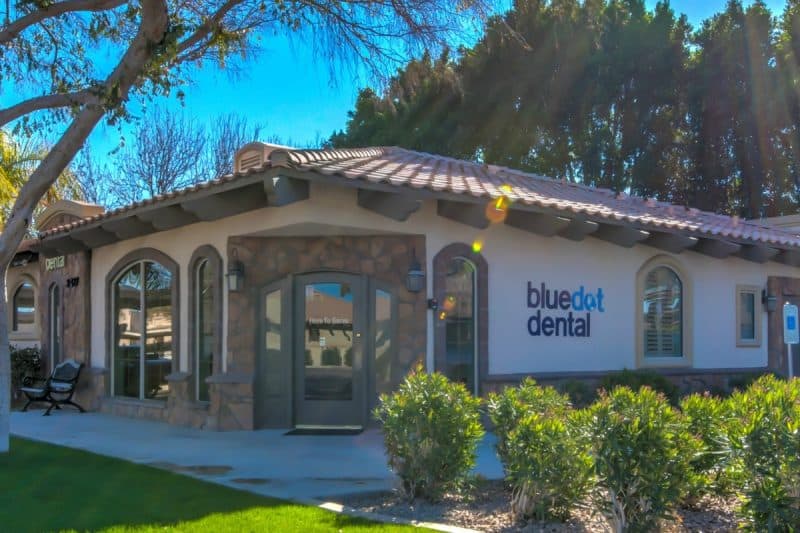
column 487, row 509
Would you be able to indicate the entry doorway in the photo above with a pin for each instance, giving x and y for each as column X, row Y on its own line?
column 330, row 374
column 327, row 349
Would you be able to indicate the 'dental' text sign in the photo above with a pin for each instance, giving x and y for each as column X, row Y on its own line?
column 561, row 312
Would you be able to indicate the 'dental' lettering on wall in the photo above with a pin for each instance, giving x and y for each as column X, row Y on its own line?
column 563, row 313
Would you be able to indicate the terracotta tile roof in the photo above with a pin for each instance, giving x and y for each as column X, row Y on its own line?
column 417, row 170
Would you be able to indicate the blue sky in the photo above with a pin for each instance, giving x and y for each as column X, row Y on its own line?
column 292, row 94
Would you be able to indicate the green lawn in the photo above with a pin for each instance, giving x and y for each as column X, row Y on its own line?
column 45, row 488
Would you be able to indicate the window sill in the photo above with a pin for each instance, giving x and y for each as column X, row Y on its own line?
column 158, row 404
column 748, row 344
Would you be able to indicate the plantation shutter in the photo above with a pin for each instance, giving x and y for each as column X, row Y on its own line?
column 663, row 317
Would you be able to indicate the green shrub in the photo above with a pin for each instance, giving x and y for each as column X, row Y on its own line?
column 743, row 381
column 24, row 362
column 549, row 467
column 765, row 435
column 431, row 430
column 508, row 407
column 642, row 451
column 636, row 379
column 579, row 392
column 331, row 357
column 707, row 418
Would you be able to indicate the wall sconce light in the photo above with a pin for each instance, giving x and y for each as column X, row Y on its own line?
column 235, row 273
column 415, row 279
column 770, row 301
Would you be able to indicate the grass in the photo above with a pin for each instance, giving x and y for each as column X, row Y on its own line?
column 51, row 488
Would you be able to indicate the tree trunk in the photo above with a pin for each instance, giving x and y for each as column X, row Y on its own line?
column 5, row 370
column 152, row 30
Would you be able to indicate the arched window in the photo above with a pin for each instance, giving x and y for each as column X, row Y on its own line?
column 204, row 328
column 23, row 307
column 459, row 314
column 143, row 330
column 663, row 308
column 54, row 335
column 205, row 324
column 461, row 326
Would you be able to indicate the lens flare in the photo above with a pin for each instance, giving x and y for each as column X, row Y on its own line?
column 449, row 303
column 497, row 209
column 477, row 246
column 442, row 315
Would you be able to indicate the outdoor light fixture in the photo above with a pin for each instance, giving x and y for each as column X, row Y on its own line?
column 235, row 273
column 415, row 279
column 770, row 301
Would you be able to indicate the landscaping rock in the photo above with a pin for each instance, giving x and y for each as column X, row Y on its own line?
column 488, row 509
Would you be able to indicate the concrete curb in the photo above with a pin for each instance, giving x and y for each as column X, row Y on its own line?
column 377, row 517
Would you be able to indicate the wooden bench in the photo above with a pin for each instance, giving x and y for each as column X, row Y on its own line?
column 57, row 390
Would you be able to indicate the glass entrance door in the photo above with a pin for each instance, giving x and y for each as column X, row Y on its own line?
column 330, row 373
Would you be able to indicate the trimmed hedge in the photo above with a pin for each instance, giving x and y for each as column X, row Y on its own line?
column 636, row 379
column 431, row 429
column 507, row 408
column 24, row 362
column 642, row 451
column 635, row 456
column 765, row 438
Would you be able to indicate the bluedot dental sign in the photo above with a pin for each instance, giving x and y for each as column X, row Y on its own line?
column 563, row 313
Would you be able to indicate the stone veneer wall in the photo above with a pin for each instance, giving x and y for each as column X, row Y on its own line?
column 687, row 381
column 269, row 259
column 75, row 322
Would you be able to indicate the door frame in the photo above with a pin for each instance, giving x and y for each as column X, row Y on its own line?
column 361, row 347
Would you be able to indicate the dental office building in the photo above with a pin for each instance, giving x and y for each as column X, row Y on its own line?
column 297, row 289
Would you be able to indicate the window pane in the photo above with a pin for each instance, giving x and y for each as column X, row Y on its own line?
column 158, row 330
column 384, row 342
column 329, row 341
column 274, row 378
column 663, row 314
column 204, row 328
column 747, row 316
column 24, row 307
column 459, row 316
column 127, row 332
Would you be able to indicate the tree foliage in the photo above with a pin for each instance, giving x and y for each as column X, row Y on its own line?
column 17, row 161
column 612, row 94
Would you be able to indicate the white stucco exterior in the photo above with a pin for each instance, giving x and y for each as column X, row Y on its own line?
column 514, row 257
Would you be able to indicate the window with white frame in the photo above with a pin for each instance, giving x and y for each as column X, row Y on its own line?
column 748, row 316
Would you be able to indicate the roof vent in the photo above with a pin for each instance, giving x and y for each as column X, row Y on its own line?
column 254, row 155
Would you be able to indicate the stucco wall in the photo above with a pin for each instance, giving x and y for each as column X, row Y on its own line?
column 514, row 257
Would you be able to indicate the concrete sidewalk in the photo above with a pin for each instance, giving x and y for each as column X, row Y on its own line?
column 266, row 462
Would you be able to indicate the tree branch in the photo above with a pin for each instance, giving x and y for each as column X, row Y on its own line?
column 47, row 101
column 152, row 29
column 11, row 31
column 208, row 26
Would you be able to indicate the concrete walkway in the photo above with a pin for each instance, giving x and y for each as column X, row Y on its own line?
column 266, row 462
